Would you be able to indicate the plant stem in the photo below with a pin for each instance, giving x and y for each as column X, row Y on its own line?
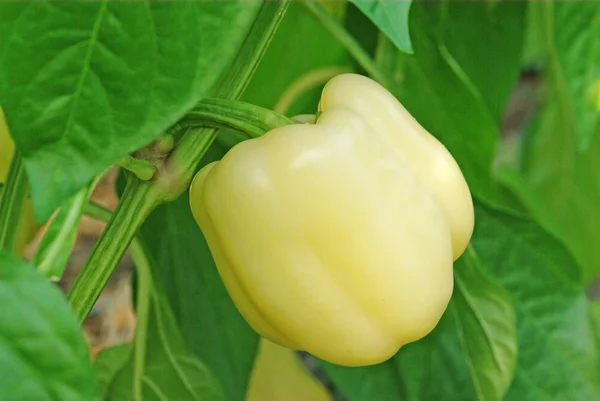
column 97, row 212
column 144, row 289
column 385, row 55
column 237, row 78
column 308, row 81
column 346, row 40
column 251, row 120
column 143, row 169
column 12, row 203
column 136, row 204
column 182, row 163
column 174, row 176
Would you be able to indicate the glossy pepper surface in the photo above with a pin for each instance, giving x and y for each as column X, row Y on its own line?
column 338, row 237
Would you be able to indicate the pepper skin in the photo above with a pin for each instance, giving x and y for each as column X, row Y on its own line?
column 338, row 237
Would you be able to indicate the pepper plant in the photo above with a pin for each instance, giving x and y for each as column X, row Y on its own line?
column 324, row 200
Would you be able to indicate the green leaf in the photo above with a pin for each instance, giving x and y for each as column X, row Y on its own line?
column 533, row 51
column 160, row 366
column 558, row 353
column 408, row 376
column 212, row 327
column 84, row 83
column 170, row 372
column 560, row 196
column 55, row 248
column 491, row 62
column 436, row 368
column 574, row 58
column 555, row 176
column 487, row 324
column 108, row 363
column 378, row 382
column 391, row 17
column 445, row 90
column 43, row 353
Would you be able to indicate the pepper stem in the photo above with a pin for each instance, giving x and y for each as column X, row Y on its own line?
column 249, row 119
column 194, row 144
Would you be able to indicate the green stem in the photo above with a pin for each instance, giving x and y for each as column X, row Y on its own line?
column 312, row 79
column 52, row 254
column 143, row 169
column 235, row 81
column 12, row 203
column 144, row 287
column 182, row 163
column 243, row 117
column 97, row 212
column 137, row 202
column 144, row 290
column 346, row 40
column 172, row 178
column 385, row 55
